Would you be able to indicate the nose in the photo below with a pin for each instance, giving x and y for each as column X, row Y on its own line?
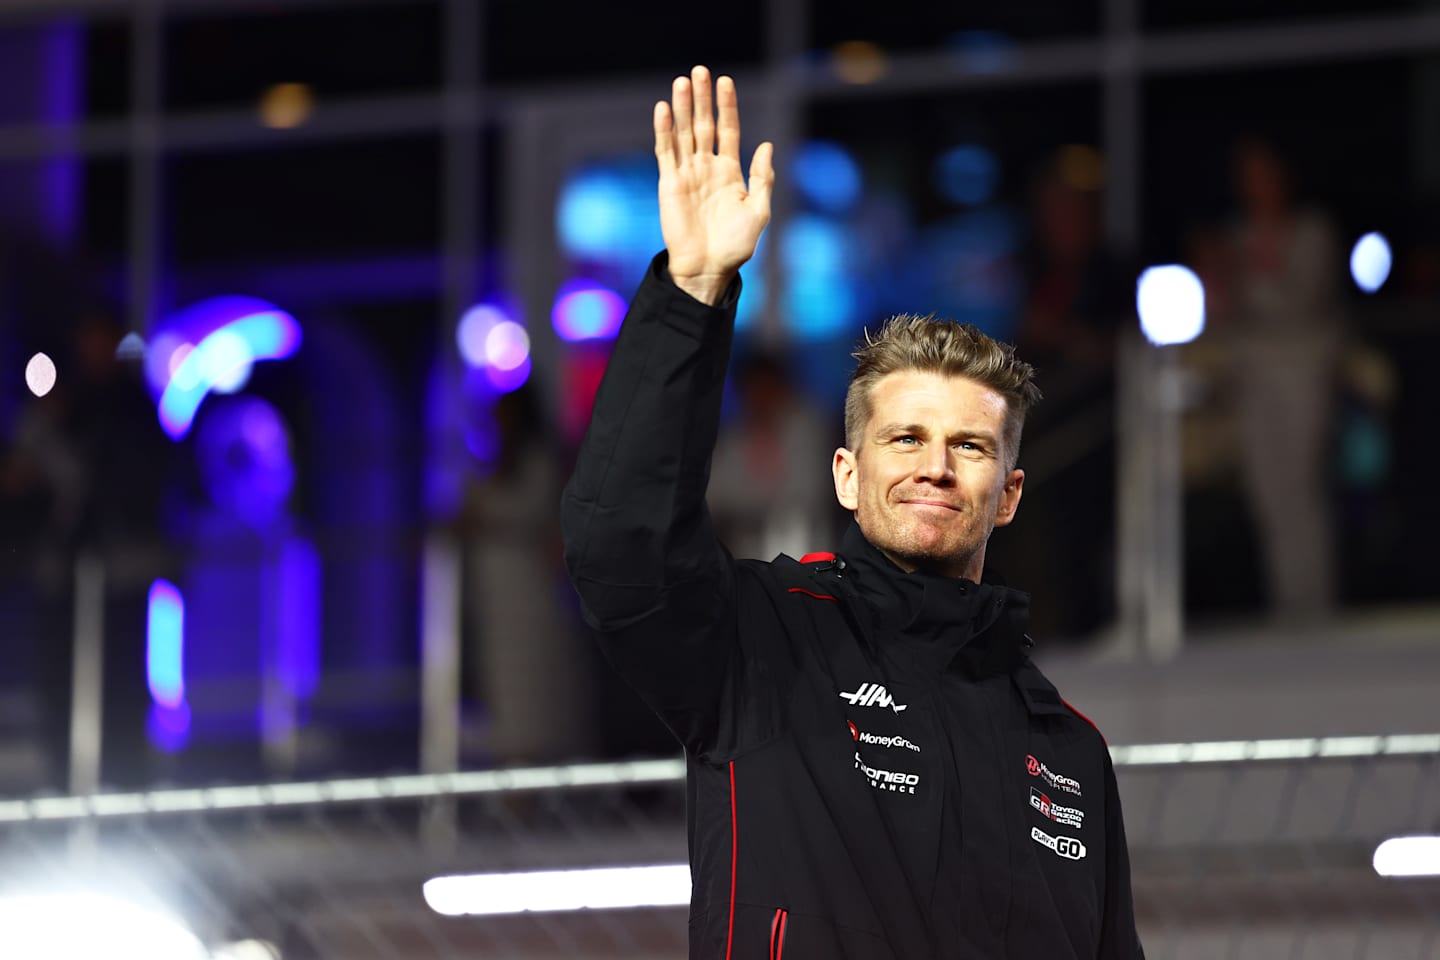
column 934, row 466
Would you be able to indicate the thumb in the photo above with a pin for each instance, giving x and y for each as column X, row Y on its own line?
column 762, row 176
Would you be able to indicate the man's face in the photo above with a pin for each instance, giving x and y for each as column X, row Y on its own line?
column 928, row 481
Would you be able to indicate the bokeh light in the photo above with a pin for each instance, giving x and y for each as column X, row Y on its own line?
column 1370, row 261
column 1408, row 857
column 473, row 329
column 237, row 332
column 610, row 213
column 859, row 62
column 40, row 374
column 827, row 175
column 286, row 105
column 966, row 174
column 1171, row 302
column 585, row 310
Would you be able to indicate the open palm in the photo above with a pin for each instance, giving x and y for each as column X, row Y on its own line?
column 710, row 219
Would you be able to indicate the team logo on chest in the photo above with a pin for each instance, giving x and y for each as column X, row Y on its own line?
column 1069, row 816
column 872, row 695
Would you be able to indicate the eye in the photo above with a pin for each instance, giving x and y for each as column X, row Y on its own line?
column 908, row 440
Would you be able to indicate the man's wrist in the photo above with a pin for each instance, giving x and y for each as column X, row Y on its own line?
column 708, row 288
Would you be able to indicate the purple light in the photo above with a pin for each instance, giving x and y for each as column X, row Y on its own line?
column 474, row 329
column 169, row 727
column 506, row 380
column 587, row 311
column 298, row 586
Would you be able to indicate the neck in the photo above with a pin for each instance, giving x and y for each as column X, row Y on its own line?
column 970, row 568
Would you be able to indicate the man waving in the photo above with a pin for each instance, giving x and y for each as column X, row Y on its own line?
column 875, row 767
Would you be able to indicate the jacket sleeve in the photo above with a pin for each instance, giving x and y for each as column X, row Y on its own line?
column 1118, row 937
column 654, row 581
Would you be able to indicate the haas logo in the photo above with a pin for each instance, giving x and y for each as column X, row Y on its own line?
column 872, row 695
column 1032, row 765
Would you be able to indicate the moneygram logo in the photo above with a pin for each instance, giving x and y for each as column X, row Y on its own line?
column 1037, row 769
column 1068, row 816
column 1067, row 847
column 864, row 736
column 889, row 780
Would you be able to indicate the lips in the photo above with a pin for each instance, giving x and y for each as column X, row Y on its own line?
column 922, row 502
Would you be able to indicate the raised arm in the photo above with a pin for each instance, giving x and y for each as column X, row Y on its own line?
column 654, row 581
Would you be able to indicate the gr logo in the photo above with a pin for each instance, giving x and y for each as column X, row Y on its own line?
column 1067, row 847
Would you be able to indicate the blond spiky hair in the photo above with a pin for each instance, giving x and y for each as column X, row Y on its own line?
column 911, row 342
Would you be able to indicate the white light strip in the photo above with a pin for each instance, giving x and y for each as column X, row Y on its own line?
column 1408, row 857
column 606, row 888
column 589, row 775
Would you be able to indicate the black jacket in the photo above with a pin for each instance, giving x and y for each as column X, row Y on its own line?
column 876, row 769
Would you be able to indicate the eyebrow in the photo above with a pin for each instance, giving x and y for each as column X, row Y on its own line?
column 892, row 429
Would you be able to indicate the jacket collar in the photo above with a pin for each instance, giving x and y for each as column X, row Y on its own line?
column 979, row 629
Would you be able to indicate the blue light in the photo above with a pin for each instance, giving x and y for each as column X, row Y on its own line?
column 812, row 244
column 820, row 306
column 1171, row 301
column 967, row 174
column 253, row 334
column 587, row 311
column 609, row 212
column 827, row 175
column 165, row 645
column 1370, row 262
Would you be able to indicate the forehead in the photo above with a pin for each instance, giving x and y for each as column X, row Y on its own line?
column 948, row 402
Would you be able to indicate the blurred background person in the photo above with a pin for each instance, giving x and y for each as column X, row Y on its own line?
column 765, row 495
column 532, row 683
column 1283, row 321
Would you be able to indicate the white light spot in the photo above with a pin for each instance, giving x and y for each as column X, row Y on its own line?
column 40, row 374
column 1408, row 857
column 474, row 327
column 1171, row 301
column 1370, row 262
column 507, row 345
column 89, row 925
column 227, row 361
column 551, row 890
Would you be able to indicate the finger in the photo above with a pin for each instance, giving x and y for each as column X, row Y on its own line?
column 729, row 125
column 704, row 111
column 664, row 137
column 681, row 106
column 762, row 177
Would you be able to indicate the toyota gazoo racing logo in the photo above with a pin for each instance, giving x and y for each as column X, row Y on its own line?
column 890, row 780
column 1069, row 816
column 1037, row 769
column 864, row 736
column 872, row 695
column 1067, row 847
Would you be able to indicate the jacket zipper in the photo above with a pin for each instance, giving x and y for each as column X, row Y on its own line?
column 777, row 933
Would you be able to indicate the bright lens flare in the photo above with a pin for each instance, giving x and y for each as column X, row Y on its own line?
column 86, row 926
column 1171, row 302
column 1408, row 857
column 606, row 888
column 1370, row 261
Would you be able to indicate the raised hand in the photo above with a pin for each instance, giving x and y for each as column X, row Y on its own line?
column 710, row 220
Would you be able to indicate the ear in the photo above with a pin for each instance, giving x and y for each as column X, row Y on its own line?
column 847, row 478
column 1010, row 498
